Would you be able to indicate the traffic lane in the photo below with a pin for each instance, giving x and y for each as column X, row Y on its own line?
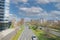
column 26, row 35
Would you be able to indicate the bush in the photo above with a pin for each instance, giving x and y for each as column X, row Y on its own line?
column 34, row 27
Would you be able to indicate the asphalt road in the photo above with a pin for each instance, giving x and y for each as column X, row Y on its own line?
column 26, row 34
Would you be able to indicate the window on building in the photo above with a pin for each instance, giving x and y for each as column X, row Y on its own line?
column 1, row 20
column 1, row 16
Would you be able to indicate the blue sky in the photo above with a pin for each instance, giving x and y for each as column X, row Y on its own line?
column 35, row 9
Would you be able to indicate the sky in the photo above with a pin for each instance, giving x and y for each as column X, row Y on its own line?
column 36, row 9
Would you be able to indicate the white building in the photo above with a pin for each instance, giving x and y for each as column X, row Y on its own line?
column 4, row 14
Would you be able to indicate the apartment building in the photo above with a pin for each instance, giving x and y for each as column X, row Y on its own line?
column 4, row 14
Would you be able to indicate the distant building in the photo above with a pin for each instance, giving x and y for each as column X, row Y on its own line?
column 4, row 14
column 22, row 21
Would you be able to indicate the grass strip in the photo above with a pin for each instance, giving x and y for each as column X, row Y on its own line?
column 17, row 35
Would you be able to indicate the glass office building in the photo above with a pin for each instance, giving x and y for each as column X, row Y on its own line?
column 4, row 14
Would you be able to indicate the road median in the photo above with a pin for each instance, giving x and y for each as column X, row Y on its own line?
column 15, row 37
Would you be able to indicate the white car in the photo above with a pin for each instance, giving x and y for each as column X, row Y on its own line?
column 34, row 37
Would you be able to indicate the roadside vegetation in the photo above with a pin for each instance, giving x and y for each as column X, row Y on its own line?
column 44, row 34
column 11, row 26
column 15, row 37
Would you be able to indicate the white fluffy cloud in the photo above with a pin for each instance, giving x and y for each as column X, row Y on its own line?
column 44, row 13
column 38, row 1
column 16, row 1
column 55, row 12
column 52, row 14
column 54, row 0
column 47, row 1
column 27, row 19
column 42, row 1
column 58, row 5
column 32, row 11
column 37, row 11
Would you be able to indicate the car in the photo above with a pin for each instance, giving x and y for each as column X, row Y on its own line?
column 34, row 37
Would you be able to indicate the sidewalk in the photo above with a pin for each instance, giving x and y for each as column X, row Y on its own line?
column 7, row 34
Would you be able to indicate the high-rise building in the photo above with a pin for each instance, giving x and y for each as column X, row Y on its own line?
column 4, row 14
